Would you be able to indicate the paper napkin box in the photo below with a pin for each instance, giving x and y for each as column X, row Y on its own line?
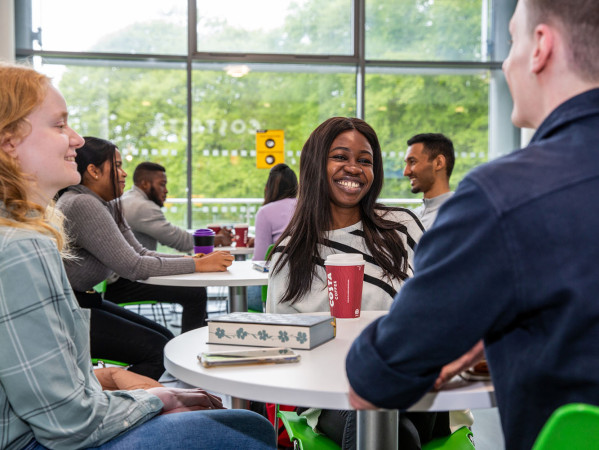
column 297, row 331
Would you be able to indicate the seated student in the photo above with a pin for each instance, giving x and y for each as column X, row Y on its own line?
column 272, row 218
column 49, row 396
column 341, row 176
column 142, row 210
column 103, row 244
column 280, row 195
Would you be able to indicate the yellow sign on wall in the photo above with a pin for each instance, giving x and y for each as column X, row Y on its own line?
column 270, row 146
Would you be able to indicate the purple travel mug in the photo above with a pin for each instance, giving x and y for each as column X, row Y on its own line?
column 203, row 241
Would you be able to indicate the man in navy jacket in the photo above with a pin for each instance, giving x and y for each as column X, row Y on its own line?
column 513, row 257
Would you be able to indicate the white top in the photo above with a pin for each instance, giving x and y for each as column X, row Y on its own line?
column 240, row 273
column 318, row 380
column 377, row 292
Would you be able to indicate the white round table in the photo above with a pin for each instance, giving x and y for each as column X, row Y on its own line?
column 237, row 277
column 318, row 380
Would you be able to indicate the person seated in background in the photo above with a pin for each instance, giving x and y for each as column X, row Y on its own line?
column 280, row 195
column 429, row 162
column 142, row 210
column 341, row 177
column 103, row 244
column 272, row 218
column 514, row 252
column 49, row 395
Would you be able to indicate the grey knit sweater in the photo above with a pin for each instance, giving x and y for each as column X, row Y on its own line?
column 102, row 248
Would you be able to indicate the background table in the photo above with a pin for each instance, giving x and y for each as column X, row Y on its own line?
column 240, row 253
column 318, row 380
column 238, row 276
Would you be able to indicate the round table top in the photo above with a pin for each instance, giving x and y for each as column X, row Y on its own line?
column 240, row 273
column 318, row 380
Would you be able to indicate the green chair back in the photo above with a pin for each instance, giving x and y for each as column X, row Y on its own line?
column 265, row 288
column 461, row 439
column 100, row 288
column 572, row 426
column 303, row 435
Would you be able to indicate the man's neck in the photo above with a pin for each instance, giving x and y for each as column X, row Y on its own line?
column 436, row 190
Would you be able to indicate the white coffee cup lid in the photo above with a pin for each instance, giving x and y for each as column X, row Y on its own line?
column 344, row 259
column 241, row 225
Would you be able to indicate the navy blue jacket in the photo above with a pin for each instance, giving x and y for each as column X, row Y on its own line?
column 513, row 258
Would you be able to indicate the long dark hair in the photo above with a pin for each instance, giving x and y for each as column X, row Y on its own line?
column 281, row 183
column 97, row 151
column 312, row 217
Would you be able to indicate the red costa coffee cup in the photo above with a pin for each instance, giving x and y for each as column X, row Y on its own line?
column 345, row 278
column 241, row 234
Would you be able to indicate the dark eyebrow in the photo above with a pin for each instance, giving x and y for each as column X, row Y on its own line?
column 347, row 150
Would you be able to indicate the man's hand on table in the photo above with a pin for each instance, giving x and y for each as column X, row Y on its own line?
column 469, row 359
column 358, row 402
column 177, row 400
column 223, row 238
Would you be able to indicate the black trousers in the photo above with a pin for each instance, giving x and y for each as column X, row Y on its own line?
column 122, row 335
column 193, row 299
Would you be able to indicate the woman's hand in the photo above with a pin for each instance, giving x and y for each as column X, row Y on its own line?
column 180, row 400
column 214, row 262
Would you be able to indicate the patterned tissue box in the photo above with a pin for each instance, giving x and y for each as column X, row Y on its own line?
column 297, row 331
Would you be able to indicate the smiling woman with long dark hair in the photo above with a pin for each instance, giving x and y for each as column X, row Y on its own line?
column 341, row 177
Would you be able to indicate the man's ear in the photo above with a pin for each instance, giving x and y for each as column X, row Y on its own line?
column 544, row 41
column 144, row 185
column 439, row 163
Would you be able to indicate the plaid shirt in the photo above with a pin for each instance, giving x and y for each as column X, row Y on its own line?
column 47, row 386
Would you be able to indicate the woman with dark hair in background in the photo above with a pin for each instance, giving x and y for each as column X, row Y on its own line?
column 341, row 177
column 280, row 194
column 104, row 245
column 279, row 204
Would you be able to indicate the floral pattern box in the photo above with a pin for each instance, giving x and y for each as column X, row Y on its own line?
column 271, row 330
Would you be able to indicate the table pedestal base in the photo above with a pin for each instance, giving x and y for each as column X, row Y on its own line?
column 377, row 429
column 238, row 300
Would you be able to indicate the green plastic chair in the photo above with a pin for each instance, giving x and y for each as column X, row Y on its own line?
column 302, row 435
column 572, row 426
column 304, row 438
column 264, row 288
column 100, row 288
column 461, row 439
column 103, row 362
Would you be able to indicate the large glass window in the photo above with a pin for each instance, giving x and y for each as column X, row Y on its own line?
column 228, row 110
column 112, row 26
column 427, row 30
column 282, row 26
column 400, row 105
column 129, row 76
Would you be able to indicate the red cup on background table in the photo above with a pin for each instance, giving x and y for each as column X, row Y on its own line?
column 241, row 234
column 345, row 278
column 214, row 227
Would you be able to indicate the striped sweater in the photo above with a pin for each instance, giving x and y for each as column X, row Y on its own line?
column 378, row 291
